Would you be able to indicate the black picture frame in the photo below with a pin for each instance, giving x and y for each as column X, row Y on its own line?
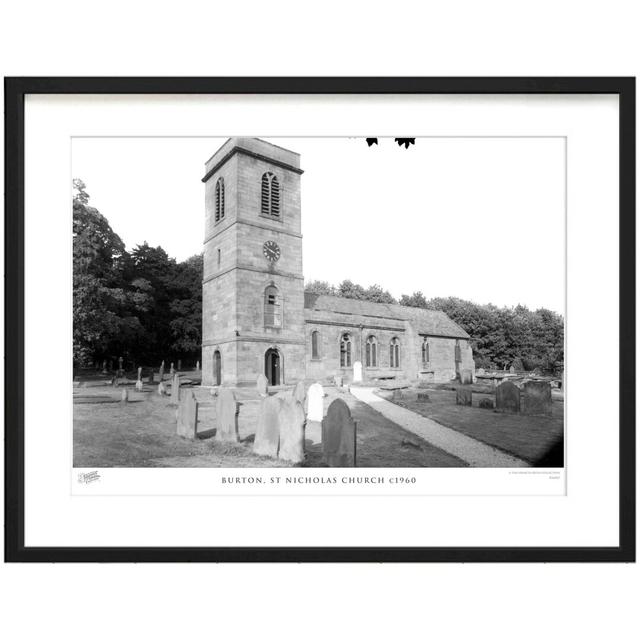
column 15, row 91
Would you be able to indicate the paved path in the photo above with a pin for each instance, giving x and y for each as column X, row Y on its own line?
column 473, row 452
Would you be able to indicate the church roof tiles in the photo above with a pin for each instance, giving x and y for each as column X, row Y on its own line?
column 424, row 321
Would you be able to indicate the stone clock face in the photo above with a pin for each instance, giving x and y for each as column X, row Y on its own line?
column 271, row 251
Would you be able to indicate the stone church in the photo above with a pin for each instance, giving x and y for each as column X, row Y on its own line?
column 256, row 315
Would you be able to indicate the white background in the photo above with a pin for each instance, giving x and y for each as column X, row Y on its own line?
column 465, row 38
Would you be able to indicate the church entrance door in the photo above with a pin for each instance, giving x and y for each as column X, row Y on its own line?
column 272, row 367
column 217, row 369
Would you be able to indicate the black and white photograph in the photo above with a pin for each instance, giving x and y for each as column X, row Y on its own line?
column 318, row 302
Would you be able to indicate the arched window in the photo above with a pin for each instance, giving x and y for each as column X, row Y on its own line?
column 272, row 316
column 425, row 353
column 315, row 350
column 219, row 199
column 270, row 195
column 371, row 352
column 394, row 353
column 345, row 350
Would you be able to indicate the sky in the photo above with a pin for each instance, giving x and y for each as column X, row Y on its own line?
column 481, row 219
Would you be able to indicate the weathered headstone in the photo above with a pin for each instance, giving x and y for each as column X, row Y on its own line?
column 337, row 380
column 339, row 435
column 175, row 389
column 507, row 398
column 187, row 415
column 172, row 371
column 161, row 372
column 315, row 396
column 536, row 398
column 299, row 392
column 124, row 397
column 291, row 431
column 267, row 439
column 151, row 377
column 198, row 365
column 139, row 380
column 104, row 366
column 423, row 397
column 120, row 369
column 161, row 389
column 463, row 396
column 357, row 371
column 512, row 369
column 227, row 416
column 486, row 403
column 466, row 376
column 261, row 384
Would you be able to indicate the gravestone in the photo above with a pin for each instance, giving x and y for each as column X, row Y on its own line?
column 161, row 372
column 161, row 389
column 227, row 416
column 124, row 397
column 291, row 431
column 139, row 380
column 463, row 396
column 187, row 415
column 315, row 409
column 423, row 397
column 175, row 390
column 299, row 393
column 179, row 365
column 339, row 435
column 512, row 369
column 151, row 377
column 396, row 396
column 262, row 384
column 357, row 371
column 267, row 439
column 507, row 398
column 172, row 371
column 536, row 398
column 198, row 365
column 466, row 376
column 337, row 380
column 104, row 366
column 486, row 403
column 120, row 369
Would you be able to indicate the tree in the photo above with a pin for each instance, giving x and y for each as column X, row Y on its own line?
column 416, row 299
column 320, row 287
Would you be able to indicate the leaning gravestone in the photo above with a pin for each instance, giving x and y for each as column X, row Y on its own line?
column 291, row 431
column 175, row 390
column 262, row 384
column 315, row 409
column 507, row 398
column 227, row 416
column 357, row 371
column 339, row 435
column 466, row 376
column 299, row 392
column 267, row 439
column 463, row 396
column 536, row 398
column 187, row 415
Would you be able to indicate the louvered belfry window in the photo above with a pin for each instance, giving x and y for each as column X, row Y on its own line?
column 270, row 195
column 219, row 199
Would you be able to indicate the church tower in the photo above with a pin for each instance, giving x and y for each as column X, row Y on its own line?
column 253, row 289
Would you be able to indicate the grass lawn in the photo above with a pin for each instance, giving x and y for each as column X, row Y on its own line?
column 536, row 439
column 142, row 433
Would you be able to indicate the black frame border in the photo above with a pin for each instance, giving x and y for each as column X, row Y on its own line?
column 15, row 91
